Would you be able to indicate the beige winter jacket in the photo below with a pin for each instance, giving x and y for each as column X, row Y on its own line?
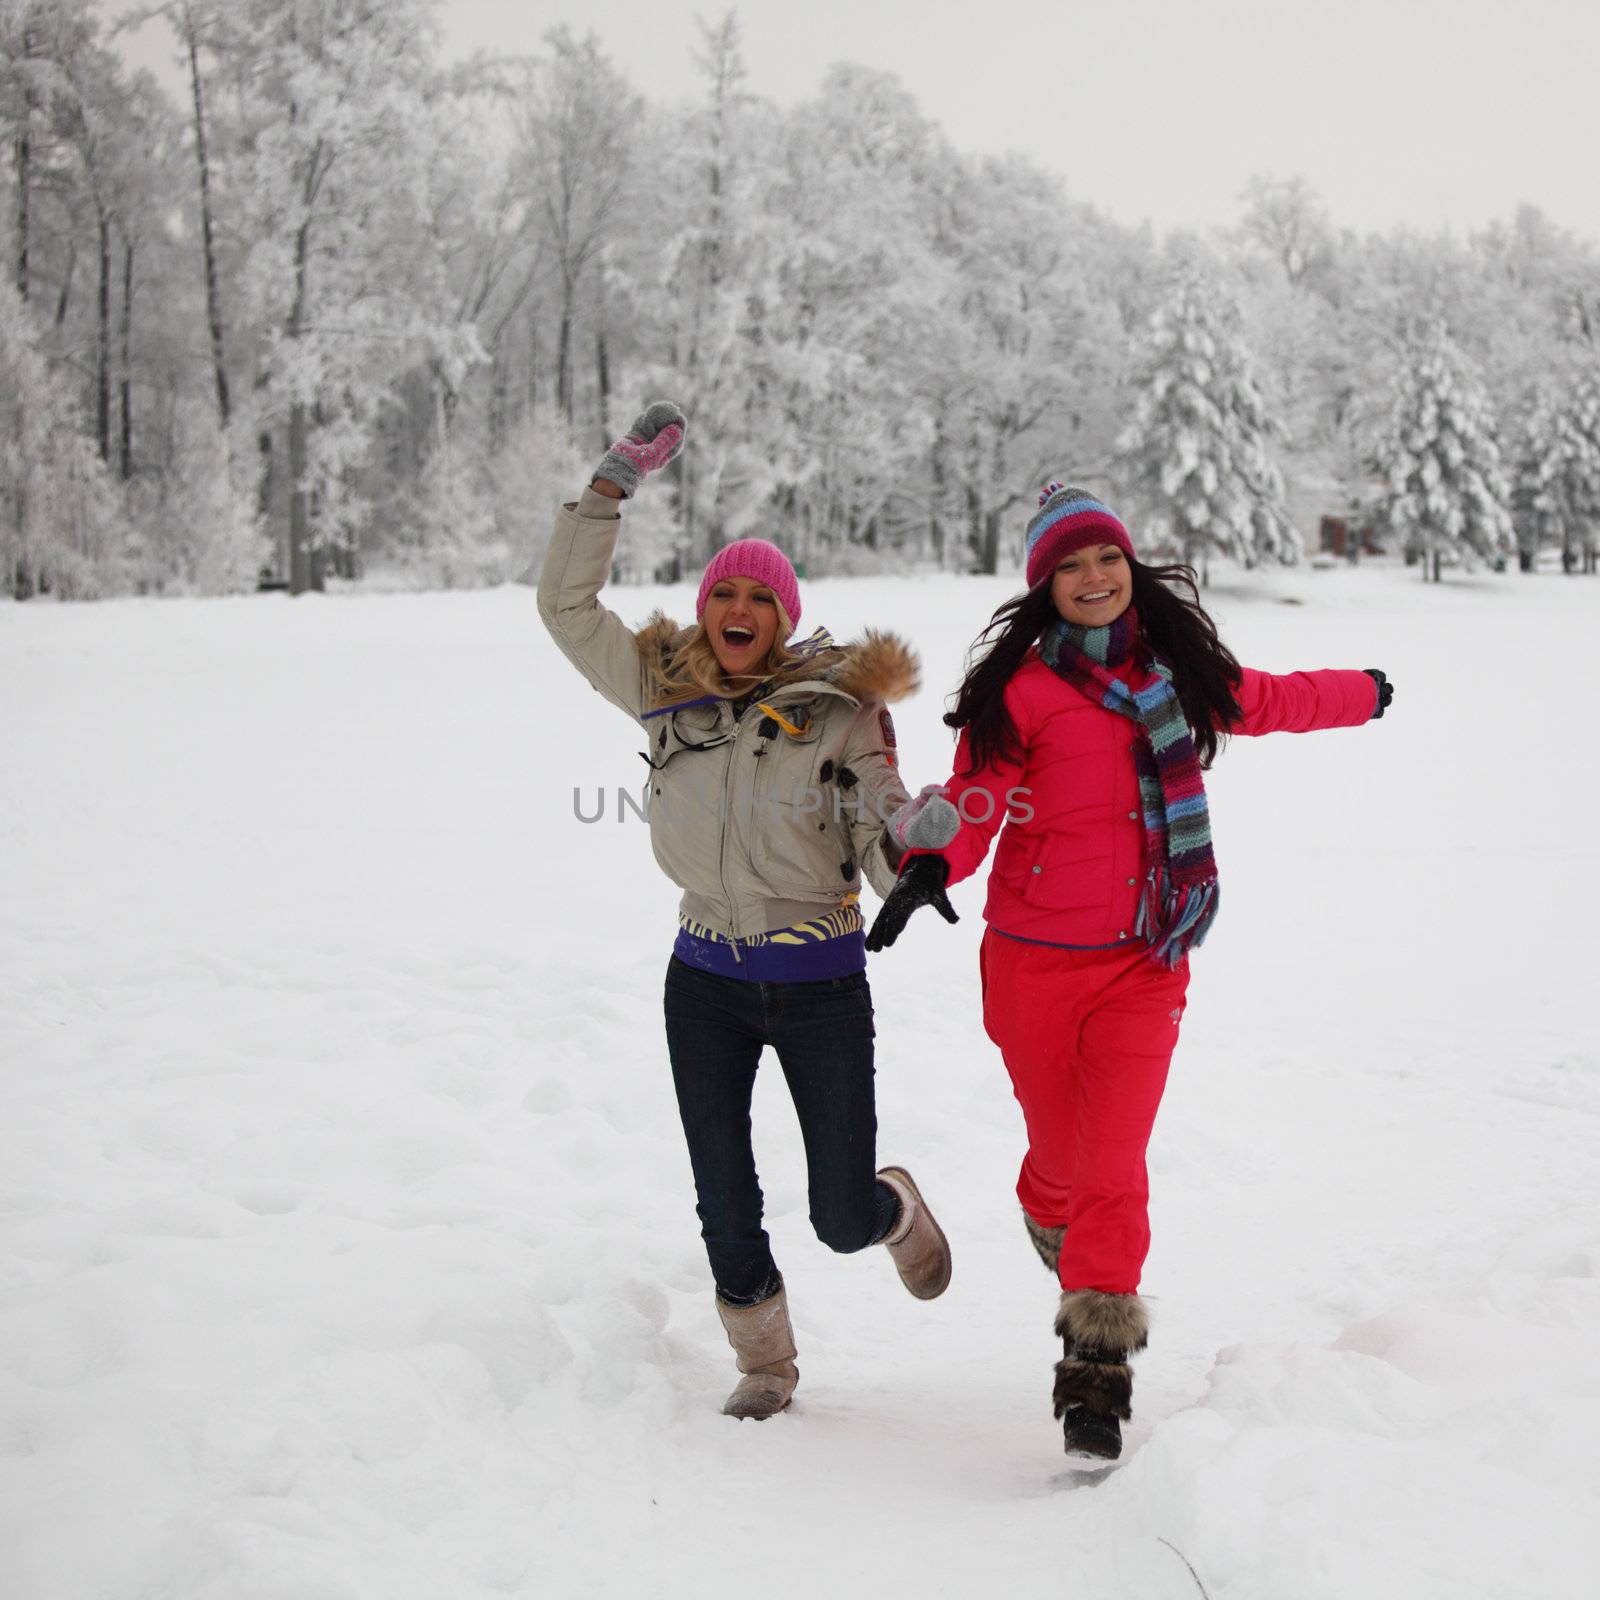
column 762, row 828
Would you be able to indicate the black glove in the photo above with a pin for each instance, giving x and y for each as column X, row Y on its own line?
column 1385, row 690
column 920, row 884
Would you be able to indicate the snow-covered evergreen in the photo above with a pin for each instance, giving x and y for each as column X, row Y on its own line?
column 1535, row 467
column 1446, row 495
column 1197, row 455
column 1576, row 476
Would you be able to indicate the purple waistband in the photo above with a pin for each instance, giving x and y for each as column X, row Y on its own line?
column 775, row 963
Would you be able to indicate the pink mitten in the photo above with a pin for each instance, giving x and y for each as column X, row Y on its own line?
column 654, row 439
column 927, row 821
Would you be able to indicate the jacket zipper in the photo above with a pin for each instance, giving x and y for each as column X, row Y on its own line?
column 722, row 847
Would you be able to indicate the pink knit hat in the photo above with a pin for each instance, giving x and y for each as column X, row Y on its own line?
column 753, row 558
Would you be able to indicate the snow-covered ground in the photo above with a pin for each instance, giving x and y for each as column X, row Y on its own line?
column 347, row 1244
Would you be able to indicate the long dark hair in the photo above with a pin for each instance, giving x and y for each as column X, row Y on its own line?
column 1175, row 625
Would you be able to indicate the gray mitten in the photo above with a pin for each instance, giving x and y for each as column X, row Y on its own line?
column 925, row 822
column 654, row 439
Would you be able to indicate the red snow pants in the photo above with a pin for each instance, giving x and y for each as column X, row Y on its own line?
column 1087, row 1036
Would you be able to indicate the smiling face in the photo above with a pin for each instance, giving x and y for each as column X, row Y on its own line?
column 1092, row 586
column 741, row 620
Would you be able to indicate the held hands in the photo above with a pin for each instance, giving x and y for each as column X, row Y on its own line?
column 654, row 439
column 1385, row 690
column 920, row 884
column 927, row 821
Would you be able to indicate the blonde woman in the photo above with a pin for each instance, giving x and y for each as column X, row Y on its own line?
column 773, row 789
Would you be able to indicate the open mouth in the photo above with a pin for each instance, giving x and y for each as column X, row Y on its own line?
column 739, row 638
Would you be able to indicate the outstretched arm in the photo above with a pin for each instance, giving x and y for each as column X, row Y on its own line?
column 1303, row 702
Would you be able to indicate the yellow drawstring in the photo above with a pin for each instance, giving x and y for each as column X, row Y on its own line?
column 780, row 719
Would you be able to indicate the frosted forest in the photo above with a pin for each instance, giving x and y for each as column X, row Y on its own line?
column 344, row 312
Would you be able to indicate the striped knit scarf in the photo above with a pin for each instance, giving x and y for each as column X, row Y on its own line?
column 1179, row 899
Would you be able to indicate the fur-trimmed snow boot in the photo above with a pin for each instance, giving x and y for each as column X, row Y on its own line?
column 1047, row 1241
column 917, row 1243
column 763, row 1349
column 1094, row 1383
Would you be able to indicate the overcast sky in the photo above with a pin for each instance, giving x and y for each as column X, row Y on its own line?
column 1428, row 113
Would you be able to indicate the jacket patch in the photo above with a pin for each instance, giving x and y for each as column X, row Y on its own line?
column 890, row 743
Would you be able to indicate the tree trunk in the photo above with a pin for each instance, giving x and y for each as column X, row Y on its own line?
column 499, row 400
column 127, row 362
column 24, row 192
column 64, row 299
column 299, row 533
column 102, row 354
column 531, row 411
column 991, row 543
column 305, row 571
column 603, row 377
column 207, row 227
column 974, row 530
column 564, row 362
column 686, row 506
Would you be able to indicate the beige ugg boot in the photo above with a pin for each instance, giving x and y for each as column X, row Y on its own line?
column 763, row 1349
column 920, row 1250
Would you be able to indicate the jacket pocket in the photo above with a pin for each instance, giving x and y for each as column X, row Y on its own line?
column 798, row 849
column 684, row 804
column 1055, row 871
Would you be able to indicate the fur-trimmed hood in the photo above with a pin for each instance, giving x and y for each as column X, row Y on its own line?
column 877, row 666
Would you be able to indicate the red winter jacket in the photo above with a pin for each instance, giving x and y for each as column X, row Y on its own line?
column 1069, row 872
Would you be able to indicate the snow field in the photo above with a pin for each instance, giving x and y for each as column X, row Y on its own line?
column 347, row 1243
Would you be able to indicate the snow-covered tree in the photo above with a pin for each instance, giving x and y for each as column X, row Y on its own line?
column 194, row 527
column 575, row 138
column 1446, row 491
column 60, row 528
column 699, row 265
column 1286, row 222
column 847, row 304
column 1023, row 359
column 1575, row 480
column 1196, row 457
column 347, row 285
column 1535, row 468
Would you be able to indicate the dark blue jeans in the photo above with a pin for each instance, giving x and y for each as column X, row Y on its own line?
column 822, row 1033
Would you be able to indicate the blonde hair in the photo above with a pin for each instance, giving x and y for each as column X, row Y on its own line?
column 692, row 671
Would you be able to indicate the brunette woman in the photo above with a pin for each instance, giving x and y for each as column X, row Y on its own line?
column 1086, row 726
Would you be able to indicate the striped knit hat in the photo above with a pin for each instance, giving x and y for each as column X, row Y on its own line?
column 1067, row 520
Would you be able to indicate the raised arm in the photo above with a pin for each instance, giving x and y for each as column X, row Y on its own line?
column 593, row 638
column 578, row 561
